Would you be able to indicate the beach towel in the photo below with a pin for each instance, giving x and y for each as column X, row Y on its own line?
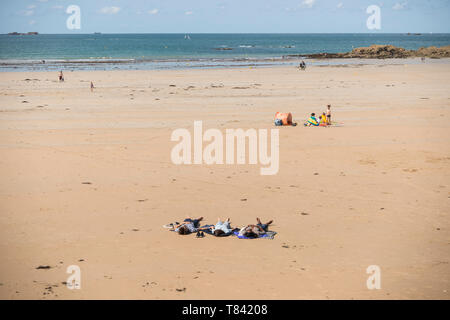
column 170, row 225
column 268, row 235
column 208, row 228
column 209, row 231
column 313, row 121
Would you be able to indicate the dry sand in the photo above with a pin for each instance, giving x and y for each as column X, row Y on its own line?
column 374, row 190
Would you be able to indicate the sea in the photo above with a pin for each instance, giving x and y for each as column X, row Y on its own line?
column 45, row 52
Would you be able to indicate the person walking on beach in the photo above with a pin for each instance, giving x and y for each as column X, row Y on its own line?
column 302, row 65
column 61, row 76
column 92, row 86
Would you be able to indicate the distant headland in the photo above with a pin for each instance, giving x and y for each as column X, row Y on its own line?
column 23, row 34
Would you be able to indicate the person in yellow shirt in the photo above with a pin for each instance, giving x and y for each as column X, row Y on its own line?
column 323, row 119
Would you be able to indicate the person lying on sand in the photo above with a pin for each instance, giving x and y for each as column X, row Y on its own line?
column 255, row 231
column 188, row 226
column 222, row 229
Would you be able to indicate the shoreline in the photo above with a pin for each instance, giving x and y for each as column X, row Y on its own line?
column 367, row 54
column 186, row 64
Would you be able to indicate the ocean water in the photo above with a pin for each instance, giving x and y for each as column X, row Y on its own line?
column 168, row 51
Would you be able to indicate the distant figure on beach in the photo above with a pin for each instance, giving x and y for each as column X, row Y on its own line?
column 61, row 76
column 302, row 65
column 329, row 115
column 423, row 59
column 255, row 231
column 92, row 86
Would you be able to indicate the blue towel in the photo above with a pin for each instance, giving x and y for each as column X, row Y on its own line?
column 268, row 235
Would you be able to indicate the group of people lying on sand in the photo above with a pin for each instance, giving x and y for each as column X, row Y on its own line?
column 221, row 228
column 323, row 121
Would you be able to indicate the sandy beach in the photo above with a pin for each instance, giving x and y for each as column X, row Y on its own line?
column 87, row 180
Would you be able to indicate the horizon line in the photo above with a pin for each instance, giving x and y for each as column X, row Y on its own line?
column 99, row 32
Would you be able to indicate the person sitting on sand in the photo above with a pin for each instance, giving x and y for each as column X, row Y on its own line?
column 312, row 121
column 329, row 114
column 188, row 226
column 255, row 231
column 323, row 119
column 222, row 229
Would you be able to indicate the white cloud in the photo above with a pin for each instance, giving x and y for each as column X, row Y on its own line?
column 308, row 3
column 154, row 11
column 110, row 10
column 400, row 5
column 188, row 13
column 32, row 22
column 340, row 5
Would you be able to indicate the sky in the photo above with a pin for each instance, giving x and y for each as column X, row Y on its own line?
column 225, row 16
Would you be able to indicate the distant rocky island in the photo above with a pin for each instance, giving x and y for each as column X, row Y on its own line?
column 384, row 52
column 23, row 34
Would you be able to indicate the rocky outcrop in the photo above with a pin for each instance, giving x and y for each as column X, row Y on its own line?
column 434, row 52
column 386, row 52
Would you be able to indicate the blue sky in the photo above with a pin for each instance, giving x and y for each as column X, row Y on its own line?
column 224, row 16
